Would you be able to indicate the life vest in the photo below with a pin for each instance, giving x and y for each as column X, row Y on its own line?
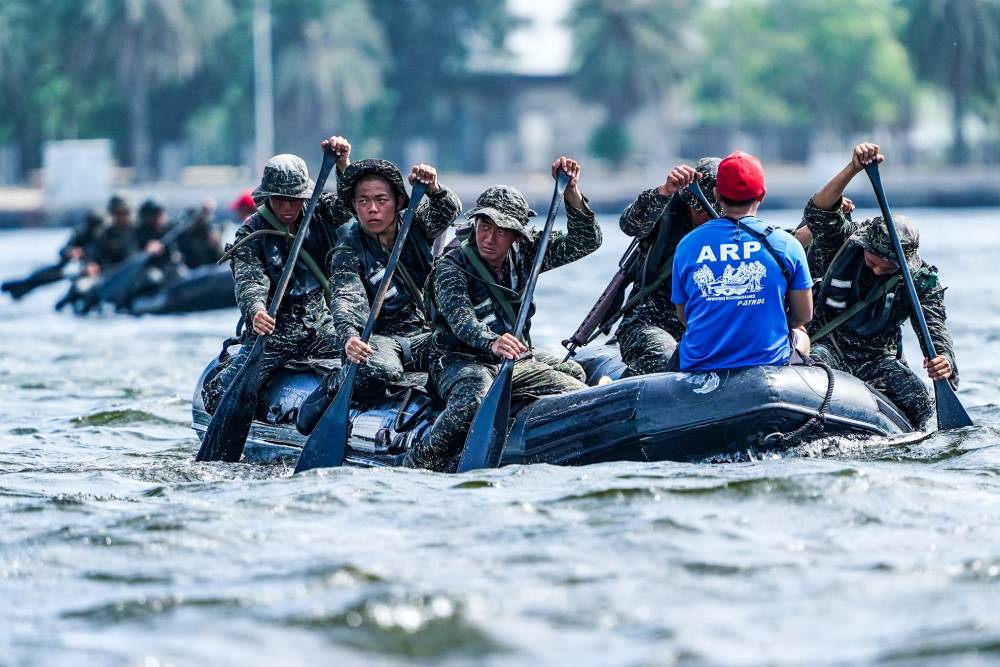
column 317, row 244
column 840, row 289
column 415, row 262
column 489, row 308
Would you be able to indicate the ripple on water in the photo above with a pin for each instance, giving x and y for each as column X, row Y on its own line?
column 120, row 417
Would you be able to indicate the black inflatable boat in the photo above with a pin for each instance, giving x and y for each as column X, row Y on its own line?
column 661, row 417
column 205, row 288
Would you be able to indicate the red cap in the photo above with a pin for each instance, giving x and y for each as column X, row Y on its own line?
column 741, row 177
column 245, row 200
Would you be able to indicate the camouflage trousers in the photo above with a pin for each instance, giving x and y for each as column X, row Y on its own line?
column 389, row 361
column 292, row 340
column 463, row 383
column 645, row 349
column 891, row 376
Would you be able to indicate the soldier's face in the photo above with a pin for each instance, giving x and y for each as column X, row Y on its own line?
column 879, row 265
column 121, row 217
column 493, row 242
column 287, row 209
column 375, row 204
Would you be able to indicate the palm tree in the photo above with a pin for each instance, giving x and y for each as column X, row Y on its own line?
column 627, row 53
column 955, row 44
column 146, row 43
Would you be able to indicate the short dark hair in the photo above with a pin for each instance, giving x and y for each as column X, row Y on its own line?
column 736, row 204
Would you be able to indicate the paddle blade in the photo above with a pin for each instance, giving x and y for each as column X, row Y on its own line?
column 488, row 434
column 230, row 425
column 950, row 411
column 327, row 444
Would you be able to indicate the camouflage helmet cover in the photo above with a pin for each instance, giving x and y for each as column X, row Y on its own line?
column 708, row 167
column 505, row 206
column 875, row 238
column 285, row 175
column 358, row 170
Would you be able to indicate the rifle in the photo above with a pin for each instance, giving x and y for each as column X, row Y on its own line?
column 605, row 311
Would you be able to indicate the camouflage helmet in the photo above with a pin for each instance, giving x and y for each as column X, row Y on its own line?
column 708, row 167
column 875, row 238
column 285, row 175
column 505, row 206
column 358, row 170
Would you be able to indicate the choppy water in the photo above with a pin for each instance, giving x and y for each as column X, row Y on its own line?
column 116, row 549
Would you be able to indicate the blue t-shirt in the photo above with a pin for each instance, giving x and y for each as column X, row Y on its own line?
column 733, row 293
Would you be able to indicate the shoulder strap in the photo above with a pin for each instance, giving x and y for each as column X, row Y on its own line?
column 487, row 278
column 303, row 253
column 762, row 237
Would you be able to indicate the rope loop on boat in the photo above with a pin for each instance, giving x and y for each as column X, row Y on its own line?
column 816, row 422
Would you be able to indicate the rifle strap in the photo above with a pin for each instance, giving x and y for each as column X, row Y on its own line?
column 487, row 278
column 416, row 293
column 304, row 255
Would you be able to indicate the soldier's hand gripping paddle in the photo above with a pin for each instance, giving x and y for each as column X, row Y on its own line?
column 327, row 444
column 227, row 431
column 487, row 436
column 950, row 412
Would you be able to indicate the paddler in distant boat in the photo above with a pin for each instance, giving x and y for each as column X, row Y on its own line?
column 741, row 288
column 243, row 206
column 303, row 328
column 374, row 192
column 659, row 218
column 474, row 295
column 861, row 276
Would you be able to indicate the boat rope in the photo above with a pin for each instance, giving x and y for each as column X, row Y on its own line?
column 816, row 422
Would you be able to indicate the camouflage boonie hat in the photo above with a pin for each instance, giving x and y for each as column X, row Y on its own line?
column 505, row 206
column 708, row 167
column 285, row 175
column 358, row 170
column 874, row 237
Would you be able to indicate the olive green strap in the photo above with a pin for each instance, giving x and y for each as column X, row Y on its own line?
column 487, row 277
column 303, row 253
column 856, row 308
column 635, row 299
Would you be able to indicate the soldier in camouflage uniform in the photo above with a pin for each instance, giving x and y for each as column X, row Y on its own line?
column 115, row 243
column 659, row 218
column 474, row 291
column 303, row 328
column 858, row 263
column 374, row 192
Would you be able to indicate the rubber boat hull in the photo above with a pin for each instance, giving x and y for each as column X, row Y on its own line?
column 660, row 417
column 204, row 288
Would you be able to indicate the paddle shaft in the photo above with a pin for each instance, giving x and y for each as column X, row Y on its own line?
column 329, row 159
column 911, row 290
column 696, row 190
column 562, row 181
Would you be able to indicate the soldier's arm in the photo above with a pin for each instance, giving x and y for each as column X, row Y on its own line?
column 582, row 237
column 252, row 282
column 451, row 292
column 640, row 217
column 829, row 228
column 331, row 210
column 932, row 303
column 349, row 305
column 437, row 212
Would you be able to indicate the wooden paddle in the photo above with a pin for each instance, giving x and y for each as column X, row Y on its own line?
column 327, row 444
column 487, row 436
column 227, row 431
column 950, row 412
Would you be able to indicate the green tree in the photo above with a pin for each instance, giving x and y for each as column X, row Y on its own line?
column 955, row 44
column 153, row 42
column 627, row 53
column 808, row 65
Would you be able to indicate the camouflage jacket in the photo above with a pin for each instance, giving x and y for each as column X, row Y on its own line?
column 111, row 246
column 358, row 261
column 199, row 245
column 467, row 325
column 257, row 264
column 831, row 230
column 656, row 249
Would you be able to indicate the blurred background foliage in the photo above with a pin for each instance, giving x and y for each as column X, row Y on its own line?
column 151, row 74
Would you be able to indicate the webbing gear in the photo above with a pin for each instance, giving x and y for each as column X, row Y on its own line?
column 762, row 237
column 303, row 253
column 875, row 295
column 636, row 298
column 487, row 278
